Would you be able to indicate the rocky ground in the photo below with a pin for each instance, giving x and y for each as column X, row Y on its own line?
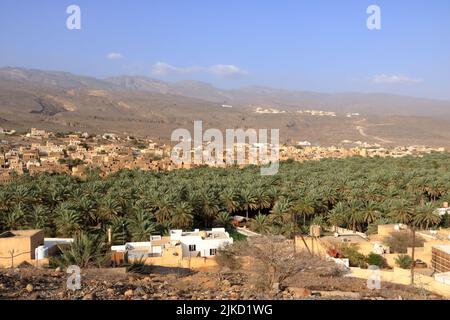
column 116, row 284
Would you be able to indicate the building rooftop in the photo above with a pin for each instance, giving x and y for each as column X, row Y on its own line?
column 160, row 242
column 19, row 233
column 345, row 239
column 50, row 242
column 214, row 233
column 444, row 248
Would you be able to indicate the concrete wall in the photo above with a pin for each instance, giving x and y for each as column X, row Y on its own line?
column 35, row 241
column 199, row 263
column 425, row 253
column 385, row 230
column 344, row 231
column 390, row 259
column 196, row 263
column 172, row 257
column 202, row 246
column 365, row 247
column 23, row 247
column 314, row 245
column 402, row 276
column 19, row 247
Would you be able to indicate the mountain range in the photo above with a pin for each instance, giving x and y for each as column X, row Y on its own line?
column 141, row 105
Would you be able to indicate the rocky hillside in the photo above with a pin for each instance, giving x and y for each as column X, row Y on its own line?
column 114, row 284
column 139, row 105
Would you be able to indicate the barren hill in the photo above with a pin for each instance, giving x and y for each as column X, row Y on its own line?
column 145, row 106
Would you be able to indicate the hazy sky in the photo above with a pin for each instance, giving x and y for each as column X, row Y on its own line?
column 313, row 45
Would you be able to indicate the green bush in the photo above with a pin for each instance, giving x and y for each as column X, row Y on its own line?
column 374, row 259
column 236, row 235
column 355, row 258
column 445, row 221
column 404, row 261
column 87, row 250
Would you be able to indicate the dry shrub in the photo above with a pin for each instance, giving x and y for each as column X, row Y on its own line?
column 399, row 242
column 274, row 260
column 228, row 258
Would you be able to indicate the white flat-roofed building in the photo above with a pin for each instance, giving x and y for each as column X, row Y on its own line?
column 304, row 143
column 201, row 243
column 442, row 211
column 193, row 244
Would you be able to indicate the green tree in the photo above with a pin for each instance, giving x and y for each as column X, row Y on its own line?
column 86, row 250
column 141, row 226
column 423, row 217
column 223, row 220
column 182, row 216
column 67, row 221
column 304, row 207
column 260, row 224
column 248, row 201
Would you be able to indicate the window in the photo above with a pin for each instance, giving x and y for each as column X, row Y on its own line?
column 212, row 252
column 192, row 247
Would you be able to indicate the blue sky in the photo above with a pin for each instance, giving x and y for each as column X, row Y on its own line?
column 320, row 45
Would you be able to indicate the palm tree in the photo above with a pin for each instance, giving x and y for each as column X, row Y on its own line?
column 230, row 200
column 119, row 229
column 38, row 217
column 330, row 196
column 85, row 205
column 141, row 226
column 435, row 190
column 263, row 200
column 182, row 215
column 108, row 210
column 21, row 195
column 209, row 207
column 163, row 228
column 57, row 193
column 336, row 216
column 304, row 207
column 123, row 197
column 15, row 217
column 5, row 200
column 400, row 210
column 223, row 220
column 248, row 201
column 354, row 214
column 424, row 217
column 281, row 211
column 371, row 212
column 260, row 224
column 164, row 207
column 273, row 193
column 86, row 250
column 68, row 220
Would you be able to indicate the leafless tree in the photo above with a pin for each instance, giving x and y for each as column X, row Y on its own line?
column 273, row 261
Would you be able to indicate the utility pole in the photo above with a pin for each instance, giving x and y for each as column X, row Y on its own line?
column 109, row 235
column 301, row 236
column 295, row 233
column 413, row 254
column 123, row 232
column 11, row 253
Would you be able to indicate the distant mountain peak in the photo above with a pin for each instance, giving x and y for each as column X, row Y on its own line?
column 367, row 103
